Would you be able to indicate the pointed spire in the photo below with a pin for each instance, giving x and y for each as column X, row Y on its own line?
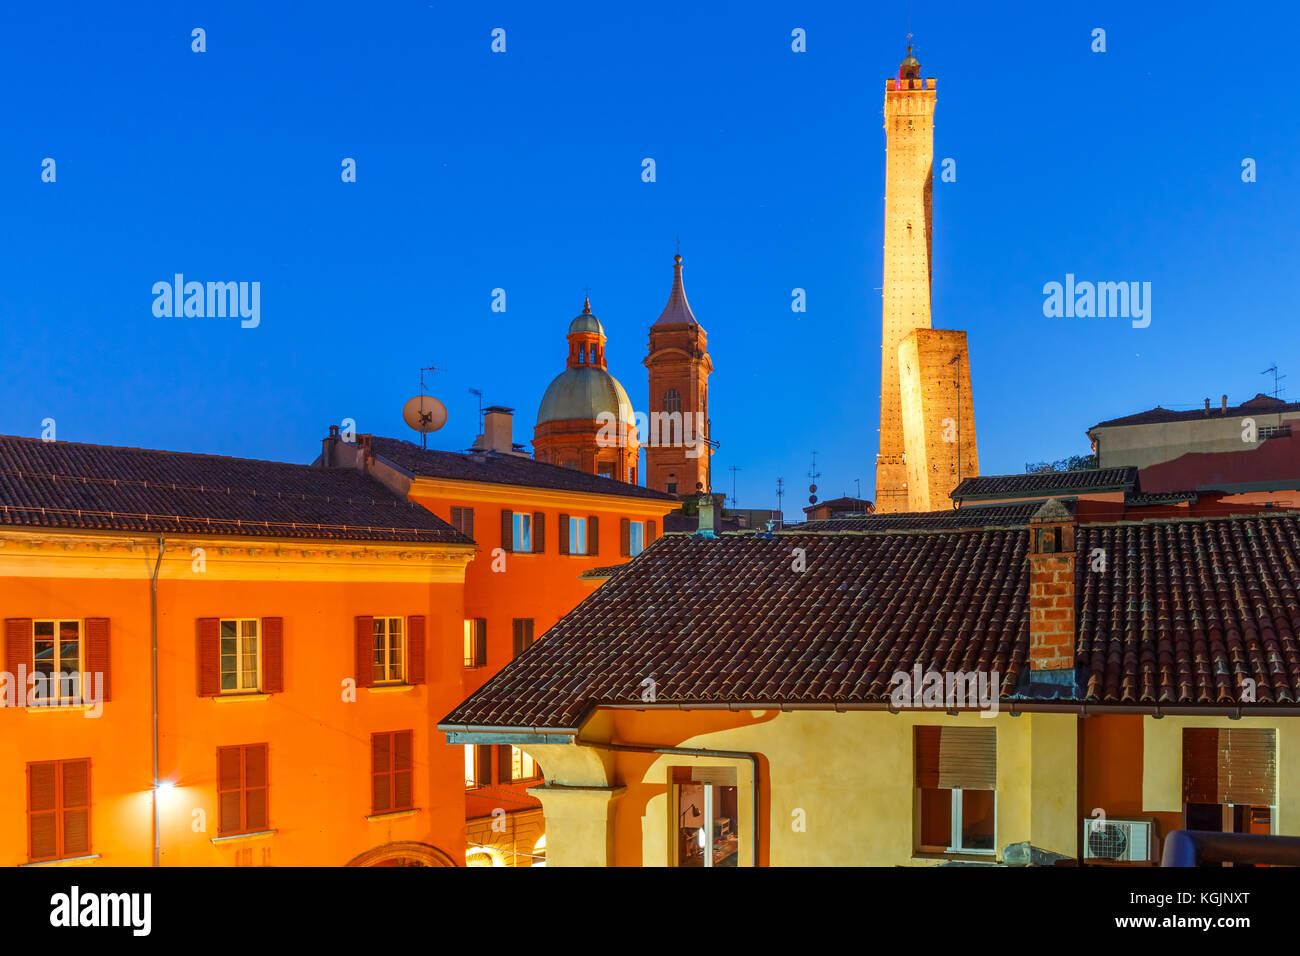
column 678, row 310
column 586, row 305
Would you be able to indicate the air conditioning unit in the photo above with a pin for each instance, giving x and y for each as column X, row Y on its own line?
column 1119, row 840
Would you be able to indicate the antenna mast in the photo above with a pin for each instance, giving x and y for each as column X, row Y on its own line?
column 1276, row 378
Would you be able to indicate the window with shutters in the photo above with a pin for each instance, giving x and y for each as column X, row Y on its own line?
column 956, row 781
column 523, row 532
column 476, row 642
column 391, row 778
column 577, row 535
column 389, row 651
column 1229, row 779
column 462, row 519
column 240, row 656
column 58, row 809
column 57, row 653
column 523, row 634
column 242, row 790
column 517, row 766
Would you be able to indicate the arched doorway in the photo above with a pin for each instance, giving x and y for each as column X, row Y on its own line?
column 403, row 854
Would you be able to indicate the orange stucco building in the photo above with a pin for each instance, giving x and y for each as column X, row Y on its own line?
column 307, row 626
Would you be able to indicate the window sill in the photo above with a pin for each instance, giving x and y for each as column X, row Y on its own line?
column 924, row 856
column 58, row 708
column 475, row 667
column 393, row 814
column 239, row 837
column 66, row 861
column 231, row 698
column 390, row 688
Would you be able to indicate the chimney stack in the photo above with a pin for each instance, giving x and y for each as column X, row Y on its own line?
column 1225, row 404
column 705, row 508
column 1207, row 404
column 498, row 428
column 1051, row 596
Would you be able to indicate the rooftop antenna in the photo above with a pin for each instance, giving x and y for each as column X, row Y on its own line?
column 1276, row 378
column 475, row 391
column 813, row 475
column 734, row 469
column 780, row 493
column 425, row 413
column 858, row 483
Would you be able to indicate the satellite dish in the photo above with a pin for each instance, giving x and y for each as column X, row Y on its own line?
column 425, row 414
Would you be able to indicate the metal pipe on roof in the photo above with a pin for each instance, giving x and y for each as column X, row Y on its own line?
column 696, row 752
column 153, row 676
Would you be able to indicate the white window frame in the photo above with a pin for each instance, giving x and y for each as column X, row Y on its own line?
column 54, row 690
column 577, row 535
column 522, row 760
column 522, row 522
column 954, row 828
column 239, row 687
column 387, row 621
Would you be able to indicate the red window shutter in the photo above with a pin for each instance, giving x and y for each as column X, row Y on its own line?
column 503, row 764
column 624, row 538
column 402, row 772
column 468, row 530
column 480, row 641
column 18, row 654
column 43, row 810
column 593, row 535
column 507, row 530
column 539, row 532
column 229, row 790
column 482, row 765
column 207, row 656
column 365, row 650
column 651, row 532
column 97, row 652
column 564, row 534
column 272, row 655
column 75, row 800
column 381, row 773
column 256, row 787
column 415, row 649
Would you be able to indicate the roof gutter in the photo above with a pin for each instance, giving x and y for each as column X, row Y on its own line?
column 1014, row 707
column 696, row 752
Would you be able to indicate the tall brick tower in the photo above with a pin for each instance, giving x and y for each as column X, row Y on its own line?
column 677, row 453
column 927, row 418
column 909, row 161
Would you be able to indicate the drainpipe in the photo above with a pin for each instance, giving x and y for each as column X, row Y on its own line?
column 694, row 752
column 153, row 634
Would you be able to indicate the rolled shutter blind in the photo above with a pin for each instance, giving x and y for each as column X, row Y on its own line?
column 1230, row 766
column 272, row 655
column 415, row 649
column 207, row 656
column 365, row 649
column 97, row 652
column 956, row 758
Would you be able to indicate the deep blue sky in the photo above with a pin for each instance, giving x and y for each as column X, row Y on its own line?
column 479, row 170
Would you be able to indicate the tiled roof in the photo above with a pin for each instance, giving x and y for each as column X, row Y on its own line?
column 1138, row 499
column 1188, row 608
column 1183, row 612
column 1261, row 404
column 972, row 516
column 497, row 468
column 728, row 619
column 102, row 488
column 1046, row 484
column 857, row 505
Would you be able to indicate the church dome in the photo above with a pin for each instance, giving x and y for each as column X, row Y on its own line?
column 583, row 393
column 584, row 321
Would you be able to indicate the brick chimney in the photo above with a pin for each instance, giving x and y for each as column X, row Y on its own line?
column 706, row 511
column 1051, row 595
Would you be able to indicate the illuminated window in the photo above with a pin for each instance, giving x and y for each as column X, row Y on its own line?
column 577, row 536
column 56, row 659
column 523, row 532
column 240, row 656
column 388, row 650
column 705, row 816
column 476, row 642
column 522, row 766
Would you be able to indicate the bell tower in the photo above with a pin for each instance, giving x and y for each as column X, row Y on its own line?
column 909, row 162
column 678, row 447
